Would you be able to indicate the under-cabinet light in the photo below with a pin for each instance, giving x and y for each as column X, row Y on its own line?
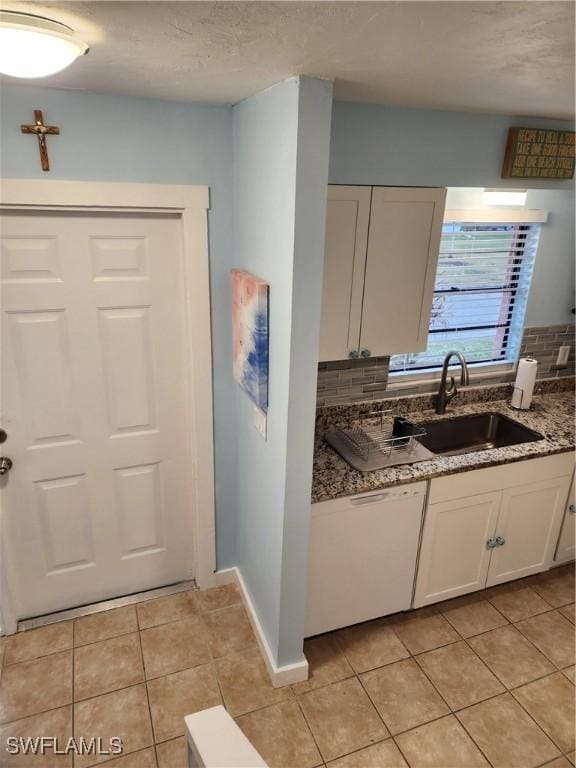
column 504, row 197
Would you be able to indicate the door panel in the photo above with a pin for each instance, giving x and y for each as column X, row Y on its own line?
column 64, row 512
column 129, row 384
column 529, row 522
column 40, row 341
column 347, row 216
column 403, row 245
column 28, row 258
column 566, row 549
column 453, row 555
column 140, row 509
column 94, row 403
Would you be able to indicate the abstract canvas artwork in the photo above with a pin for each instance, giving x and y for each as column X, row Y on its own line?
column 250, row 335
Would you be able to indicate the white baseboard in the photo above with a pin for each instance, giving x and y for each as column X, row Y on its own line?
column 280, row 676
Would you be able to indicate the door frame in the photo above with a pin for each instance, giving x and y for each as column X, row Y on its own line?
column 191, row 204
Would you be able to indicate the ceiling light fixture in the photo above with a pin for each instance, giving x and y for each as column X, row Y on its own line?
column 504, row 197
column 32, row 46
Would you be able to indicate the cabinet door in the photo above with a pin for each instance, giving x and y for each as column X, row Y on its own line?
column 454, row 557
column 529, row 524
column 566, row 549
column 347, row 216
column 403, row 244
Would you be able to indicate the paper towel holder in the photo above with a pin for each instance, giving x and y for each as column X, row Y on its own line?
column 518, row 407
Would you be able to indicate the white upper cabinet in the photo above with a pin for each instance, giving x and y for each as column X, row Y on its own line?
column 403, row 245
column 379, row 269
column 347, row 216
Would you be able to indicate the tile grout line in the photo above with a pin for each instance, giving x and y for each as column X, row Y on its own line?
column 456, row 712
column 558, row 747
column 451, row 710
column 146, row 687
column 436, row 719
column 509, row 690
column 411, row 656
column 527, row 682
column 299, row 705
column 546, row 656
column 434, row 686
column 357, row 676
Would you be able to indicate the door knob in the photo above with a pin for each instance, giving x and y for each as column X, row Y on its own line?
column 491, row 543
column 353, row 354
column 5, row 465
column 572, row 509
column 500, row 541
column 365, row 352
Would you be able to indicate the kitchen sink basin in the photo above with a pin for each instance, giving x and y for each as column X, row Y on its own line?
column 476, row 432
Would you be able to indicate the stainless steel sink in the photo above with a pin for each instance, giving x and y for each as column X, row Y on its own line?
column 476, row 432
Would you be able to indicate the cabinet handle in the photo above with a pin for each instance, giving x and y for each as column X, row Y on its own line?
column 365, row 352
column 572, row 509
column 500, row 541
column 491, row 543
column 369, row 499
column 353, row 354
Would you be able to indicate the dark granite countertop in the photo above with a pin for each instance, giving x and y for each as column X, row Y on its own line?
column 551, row 414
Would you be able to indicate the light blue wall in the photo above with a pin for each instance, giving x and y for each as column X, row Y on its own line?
column 281, row 139
column 395, row 146
column 112, row 138
column 410, row 147
column 551, row 298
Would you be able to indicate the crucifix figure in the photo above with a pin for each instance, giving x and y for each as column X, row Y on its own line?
column 41, row 132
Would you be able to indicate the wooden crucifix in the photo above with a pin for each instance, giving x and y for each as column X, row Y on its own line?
column 41, row 131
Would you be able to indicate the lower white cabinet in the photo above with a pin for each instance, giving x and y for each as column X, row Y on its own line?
column 453, row 556
column 566, row 549
column 362, row 556
column 481, row 539
column 528, row 523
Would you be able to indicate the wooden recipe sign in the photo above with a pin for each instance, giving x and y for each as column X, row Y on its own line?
column 532, row 153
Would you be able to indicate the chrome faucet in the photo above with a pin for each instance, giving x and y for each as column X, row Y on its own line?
column 445, row 394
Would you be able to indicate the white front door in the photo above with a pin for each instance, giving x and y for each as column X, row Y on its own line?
column 94, row 403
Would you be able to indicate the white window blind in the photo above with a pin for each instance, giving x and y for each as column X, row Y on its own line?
column 480, row 294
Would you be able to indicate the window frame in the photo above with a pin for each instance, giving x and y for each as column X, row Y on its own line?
column 495, row 368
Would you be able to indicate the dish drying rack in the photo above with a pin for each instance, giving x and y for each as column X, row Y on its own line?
column 372, row 445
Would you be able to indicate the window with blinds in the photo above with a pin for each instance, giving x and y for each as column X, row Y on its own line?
column 480, row 294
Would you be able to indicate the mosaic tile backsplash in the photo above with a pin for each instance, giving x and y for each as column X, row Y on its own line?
column 354, row 381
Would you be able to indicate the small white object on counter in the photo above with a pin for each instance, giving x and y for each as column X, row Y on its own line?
column 524, row 384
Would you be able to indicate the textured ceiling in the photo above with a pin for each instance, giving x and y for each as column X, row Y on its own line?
column 507, row 57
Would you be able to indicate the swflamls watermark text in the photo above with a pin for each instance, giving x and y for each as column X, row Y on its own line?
column 42, row 745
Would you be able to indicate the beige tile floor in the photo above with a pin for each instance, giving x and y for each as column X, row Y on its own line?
column 483, row 680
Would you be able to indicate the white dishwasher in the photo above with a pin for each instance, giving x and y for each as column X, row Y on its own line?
column 362, row 556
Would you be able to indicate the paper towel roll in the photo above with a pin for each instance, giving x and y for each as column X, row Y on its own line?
column 524, row 384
